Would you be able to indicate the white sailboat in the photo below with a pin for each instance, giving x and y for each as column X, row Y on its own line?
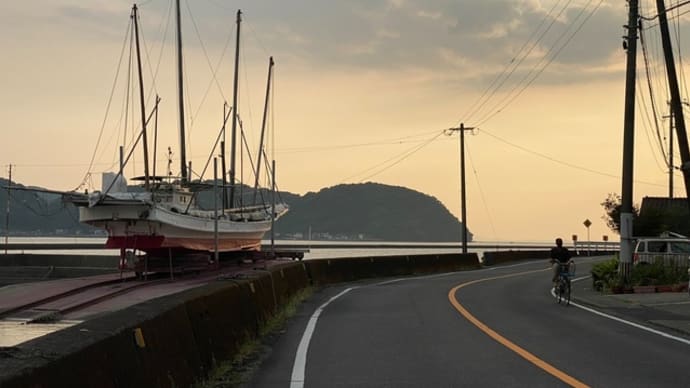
column 164, row 217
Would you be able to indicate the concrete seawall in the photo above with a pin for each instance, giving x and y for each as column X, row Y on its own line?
column 177, row 340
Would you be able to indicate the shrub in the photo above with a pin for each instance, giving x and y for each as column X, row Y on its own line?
column 605, row 274
column 657, row 274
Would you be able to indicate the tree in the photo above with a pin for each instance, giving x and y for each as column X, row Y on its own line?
column 612, row 207
column 652, row 223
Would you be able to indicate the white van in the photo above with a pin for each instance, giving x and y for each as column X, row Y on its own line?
column 674, row 251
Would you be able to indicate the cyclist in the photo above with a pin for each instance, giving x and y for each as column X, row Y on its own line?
column 559, row 255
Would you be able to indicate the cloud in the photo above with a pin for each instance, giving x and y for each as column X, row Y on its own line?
column 402, row 35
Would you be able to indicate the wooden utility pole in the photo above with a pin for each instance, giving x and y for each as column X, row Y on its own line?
column 670, row 151
column 676, row 104
column 626, row 222
column 463, row 196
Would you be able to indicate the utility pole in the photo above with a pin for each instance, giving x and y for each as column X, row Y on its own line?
column 626, row 221
column 7, row 215
column 463, row 196
column 670, row 156
column 670, row 151
column 676, row 104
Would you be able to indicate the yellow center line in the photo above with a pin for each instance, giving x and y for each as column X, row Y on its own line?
column 504, row 341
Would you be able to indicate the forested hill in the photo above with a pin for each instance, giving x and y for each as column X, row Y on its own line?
column 369, row 211
column 33, row 212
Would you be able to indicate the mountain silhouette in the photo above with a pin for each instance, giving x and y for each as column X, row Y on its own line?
column 366, row 211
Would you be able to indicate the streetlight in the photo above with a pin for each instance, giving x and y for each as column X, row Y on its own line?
column 463, row 207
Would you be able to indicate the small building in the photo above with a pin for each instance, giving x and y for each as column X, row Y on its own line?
column 663, row 214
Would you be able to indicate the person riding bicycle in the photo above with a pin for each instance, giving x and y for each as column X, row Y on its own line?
column 559, row 255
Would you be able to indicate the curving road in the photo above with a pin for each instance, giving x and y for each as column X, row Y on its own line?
column 491, row 327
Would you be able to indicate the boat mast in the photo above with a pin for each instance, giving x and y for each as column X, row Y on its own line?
column 263, row 127
column 676, row 104
column 7, row 214
column 141, row 99
column 235, row 113
column 222, row 160
column 180, row 89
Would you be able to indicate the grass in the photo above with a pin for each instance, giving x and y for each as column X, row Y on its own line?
column 239, row 370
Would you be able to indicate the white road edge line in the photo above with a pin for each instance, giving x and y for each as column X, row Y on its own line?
column 629, row 323
column 298, row 368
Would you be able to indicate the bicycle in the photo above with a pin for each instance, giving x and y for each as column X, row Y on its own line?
column 563, row 285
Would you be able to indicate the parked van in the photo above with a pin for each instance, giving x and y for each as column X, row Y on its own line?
column 675, row 251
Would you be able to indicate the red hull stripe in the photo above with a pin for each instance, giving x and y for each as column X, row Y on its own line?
column 146, row 243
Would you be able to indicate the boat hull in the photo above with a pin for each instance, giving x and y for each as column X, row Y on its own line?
column 157, row 230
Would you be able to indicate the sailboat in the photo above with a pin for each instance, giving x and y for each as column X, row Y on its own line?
column 163, row 217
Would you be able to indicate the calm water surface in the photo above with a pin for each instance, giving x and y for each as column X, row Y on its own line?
column 319, row 249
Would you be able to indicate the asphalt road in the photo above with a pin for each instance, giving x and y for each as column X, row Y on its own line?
column 490, row 327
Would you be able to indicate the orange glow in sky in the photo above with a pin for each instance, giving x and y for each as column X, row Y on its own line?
column 363, row 91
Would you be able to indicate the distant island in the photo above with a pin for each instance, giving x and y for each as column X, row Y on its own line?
column 346, row 212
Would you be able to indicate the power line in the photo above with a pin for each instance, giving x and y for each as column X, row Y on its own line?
column 646, row 122
column 558, row 161
column 507, row 100
column 513, row 65
column 655, row 115
column 320, row 148
column 393, row 161
column 482, row 195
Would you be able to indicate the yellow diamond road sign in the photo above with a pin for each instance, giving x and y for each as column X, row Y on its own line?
column 587, row 223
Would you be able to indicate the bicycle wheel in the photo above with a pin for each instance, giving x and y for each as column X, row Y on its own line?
column 566, row 292
column 559, row 290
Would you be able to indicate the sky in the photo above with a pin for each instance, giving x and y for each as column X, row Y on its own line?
column 362, row 92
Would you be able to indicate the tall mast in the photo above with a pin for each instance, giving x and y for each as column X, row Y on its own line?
column 180, row 89
column 235, row 112
column 7, row 214
column 676, row 104
column 222, row 160
column 141, row 99
column 263, row 127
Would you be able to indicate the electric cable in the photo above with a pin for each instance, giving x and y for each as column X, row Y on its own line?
column 107, row 109
column 393, row 160
column 655, row 115
column 513, row 65
column 482, row 195
column 564, row 163
column 507, row 100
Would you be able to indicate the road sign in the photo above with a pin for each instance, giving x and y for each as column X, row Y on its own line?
column 587, row 223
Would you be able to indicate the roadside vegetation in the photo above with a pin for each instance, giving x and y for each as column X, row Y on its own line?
column 605, row 276
column 239, row 370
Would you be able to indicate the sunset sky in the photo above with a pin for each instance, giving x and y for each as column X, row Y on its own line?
column 363, row 91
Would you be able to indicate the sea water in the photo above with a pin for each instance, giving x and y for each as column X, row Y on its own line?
column 316, row 249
